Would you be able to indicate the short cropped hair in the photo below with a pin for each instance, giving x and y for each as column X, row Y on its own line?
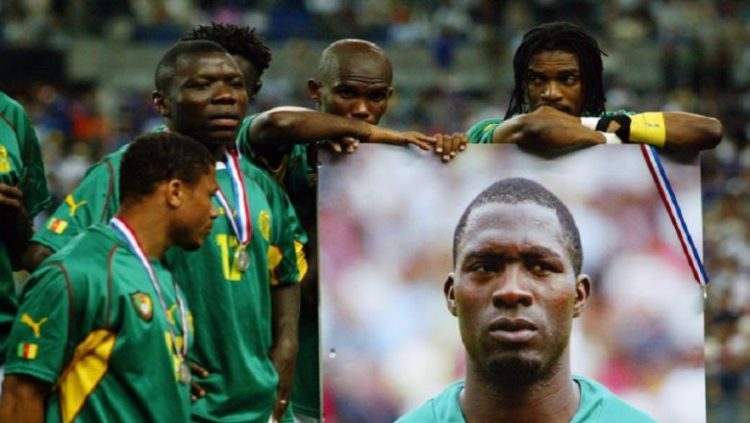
column 165, row 68
column 237, row 40
column 356, row 49
column 518, row 190
column 563, row 36
column 159, row 157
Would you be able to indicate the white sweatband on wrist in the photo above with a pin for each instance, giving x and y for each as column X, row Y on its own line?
column 590, row 122
column 611, row 138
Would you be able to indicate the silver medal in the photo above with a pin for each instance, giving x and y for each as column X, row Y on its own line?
column 241, row 259
column 184, row 373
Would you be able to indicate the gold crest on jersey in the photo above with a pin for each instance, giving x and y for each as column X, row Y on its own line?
column 264, row 224
column 143, row 305
column 4, row 161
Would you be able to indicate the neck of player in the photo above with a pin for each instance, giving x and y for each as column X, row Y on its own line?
column 488, row 398
column 149, row 226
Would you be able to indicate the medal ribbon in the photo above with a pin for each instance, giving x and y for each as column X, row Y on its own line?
column 651, row 156
column 242, row 223
column 135, row 246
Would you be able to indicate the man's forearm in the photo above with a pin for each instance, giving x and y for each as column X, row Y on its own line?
column 34, row 255
column 283, row 126
column 22, row 399
column 691, row 132
column 546, row 131
column 285, row 306
column 16, row 236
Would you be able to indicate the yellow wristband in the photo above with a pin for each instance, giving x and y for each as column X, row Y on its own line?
column 648, row 128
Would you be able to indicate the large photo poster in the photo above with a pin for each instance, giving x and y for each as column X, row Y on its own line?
column 386, row 225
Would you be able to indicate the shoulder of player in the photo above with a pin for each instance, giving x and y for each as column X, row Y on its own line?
column 89, row 252
column 594, row 394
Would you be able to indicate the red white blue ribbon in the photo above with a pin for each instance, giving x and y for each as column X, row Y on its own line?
column 241, row 222
column 136, row 248
column 651, row 156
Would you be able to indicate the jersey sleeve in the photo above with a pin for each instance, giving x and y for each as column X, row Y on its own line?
column 39, row 337
column 33, row 181
column 481, row 133
column 91, row 202
column 286, row 257
column 282, row 156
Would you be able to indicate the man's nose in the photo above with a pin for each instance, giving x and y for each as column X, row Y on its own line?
column 225, row 93
column 512, row 288
column 360, row 110
column 552, row 92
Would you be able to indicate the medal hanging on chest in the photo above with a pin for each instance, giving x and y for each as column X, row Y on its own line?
column 182, row 371
column 240, row 218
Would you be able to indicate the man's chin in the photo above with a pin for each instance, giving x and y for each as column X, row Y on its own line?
column 517, row 369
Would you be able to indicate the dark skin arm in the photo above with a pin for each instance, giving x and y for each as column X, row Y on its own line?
column 15, row 226
column 285, row 306
column 283, row 126
column 548, row 128
column 34, row 256
column 23, row 399
column 688, row 132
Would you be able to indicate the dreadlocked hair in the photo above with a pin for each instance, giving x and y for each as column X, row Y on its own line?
column 567, row 37
column 236, row 40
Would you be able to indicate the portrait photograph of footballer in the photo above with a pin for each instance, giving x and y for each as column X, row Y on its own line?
column 387, row 251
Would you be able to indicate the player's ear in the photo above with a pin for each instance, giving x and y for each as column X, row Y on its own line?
column 256, row 89
column 160, row 102
column 583, row 292
column 175, row 193
column 450, row 295
column 390, row 92
column 313, row 90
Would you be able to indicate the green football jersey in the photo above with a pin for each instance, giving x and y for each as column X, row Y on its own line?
column 297, row 174
column 597, row 405
column 232, row 308
column 20, row 166
column 277, row 256
column 481, row 132
column 90, row 324
column 95, row 200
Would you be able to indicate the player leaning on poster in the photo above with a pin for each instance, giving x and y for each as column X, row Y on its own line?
column 102, row 329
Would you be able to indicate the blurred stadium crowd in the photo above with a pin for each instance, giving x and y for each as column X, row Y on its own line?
column 689, row 55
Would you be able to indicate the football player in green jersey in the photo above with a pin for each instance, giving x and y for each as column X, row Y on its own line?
column 558, row 102
column 515, row 288
column 241, row 320
column 201, row 92
column 103, row 331
column 23, row 194
column 352, row 88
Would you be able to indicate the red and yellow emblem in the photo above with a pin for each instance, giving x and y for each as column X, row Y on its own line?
column 57, row 225
column 143, row 305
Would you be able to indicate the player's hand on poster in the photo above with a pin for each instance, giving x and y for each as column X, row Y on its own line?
column 447, row 146
column 345, row 144
column 389, row 136
column 196, row 391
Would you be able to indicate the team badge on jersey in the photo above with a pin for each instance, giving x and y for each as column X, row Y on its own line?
column 264, row 224
column 57, row 225
column 4, row 162
column 143, row 305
